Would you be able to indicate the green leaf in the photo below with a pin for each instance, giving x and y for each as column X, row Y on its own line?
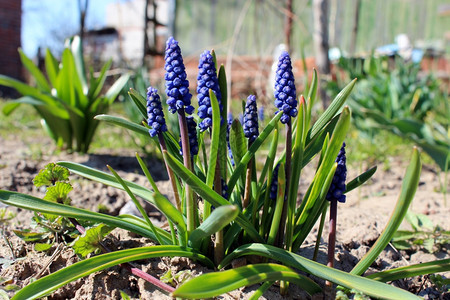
column 139, row 101
column 238, row 143
column 37, row 75
column 41, row 247
column 115, row 89
column 123, row 123
column 107, row 179
column 52, row 282
column 76, row 47
column 307, row 218
column 44, row 206
column 96, row 85
column 332, row 110
column 51, row 67
column 359, row 180
column 350, row 281
column 50, row 174
column 222, row 78
column 409, row 187
column 431, row 267
column 172, row 213
column 52, row 104
column 28, row 236
column 89, row 241
column 241, row 167
column 207, row 193
column 59, row 193
column 215, row 136
column 219, row 218
column 215, row 284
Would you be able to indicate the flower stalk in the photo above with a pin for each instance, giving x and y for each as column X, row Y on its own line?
column 336, row 194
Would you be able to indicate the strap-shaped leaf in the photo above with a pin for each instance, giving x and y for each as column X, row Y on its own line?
column 207, row 193
column 44, row 206
column 51, row 67
column 251, row 151
column 107, row 179
column 123, row 123
column 139, row 101
column 215, row 284
column 115, row 89
column 365, row 285
column 359, row 180
column 219, row 218
column 52, row 282
column 431, row 267
column 332, row 110
column 409, row 187
column 41, row 81
column 215, row 136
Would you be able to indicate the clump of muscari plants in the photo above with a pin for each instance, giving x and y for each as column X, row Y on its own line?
column 224, row 209
column 66, row 99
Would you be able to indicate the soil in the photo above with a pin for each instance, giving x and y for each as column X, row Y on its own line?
column 360, row 221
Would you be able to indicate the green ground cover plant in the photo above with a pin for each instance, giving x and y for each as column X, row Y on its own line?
column 223, row 209
column 66, row 99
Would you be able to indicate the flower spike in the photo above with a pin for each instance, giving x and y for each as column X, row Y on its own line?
column 177, row 86
column 337, row 187
column 285, row 93
column 155, row 113
column 251, row 119
column 207, row 79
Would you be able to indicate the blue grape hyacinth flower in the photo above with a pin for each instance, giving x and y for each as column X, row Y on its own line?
column 251, row 130
column 285, row 93
column 192, row 134
column 177, row 85
column 274, row 183
column 337, row 187
column 155, row 113
column 206, row 80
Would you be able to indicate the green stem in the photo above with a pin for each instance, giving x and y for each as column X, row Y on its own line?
column 172, row 179
column 191, row 206
column 287, row 178
column 219, row 242
column 332, row 235
column 319, row 233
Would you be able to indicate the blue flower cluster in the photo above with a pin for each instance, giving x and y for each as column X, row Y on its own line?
column 251, row 119
column 274, row 184
column 224, row 188
column 285, row 93
column 192, row 133
column 177, row 86
column 337, row 187
column 155, row 113
column 206, row 80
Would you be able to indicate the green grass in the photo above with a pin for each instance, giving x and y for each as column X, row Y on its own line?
column 24, row 124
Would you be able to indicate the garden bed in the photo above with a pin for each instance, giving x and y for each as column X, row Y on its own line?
column 360, row 221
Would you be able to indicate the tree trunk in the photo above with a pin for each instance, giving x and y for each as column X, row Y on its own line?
column 288, row 25
column 320, row 13
column 355, row 28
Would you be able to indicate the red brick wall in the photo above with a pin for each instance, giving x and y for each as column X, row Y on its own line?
column 10, row 24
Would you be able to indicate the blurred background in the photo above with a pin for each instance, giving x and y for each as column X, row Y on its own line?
column 246, row 34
